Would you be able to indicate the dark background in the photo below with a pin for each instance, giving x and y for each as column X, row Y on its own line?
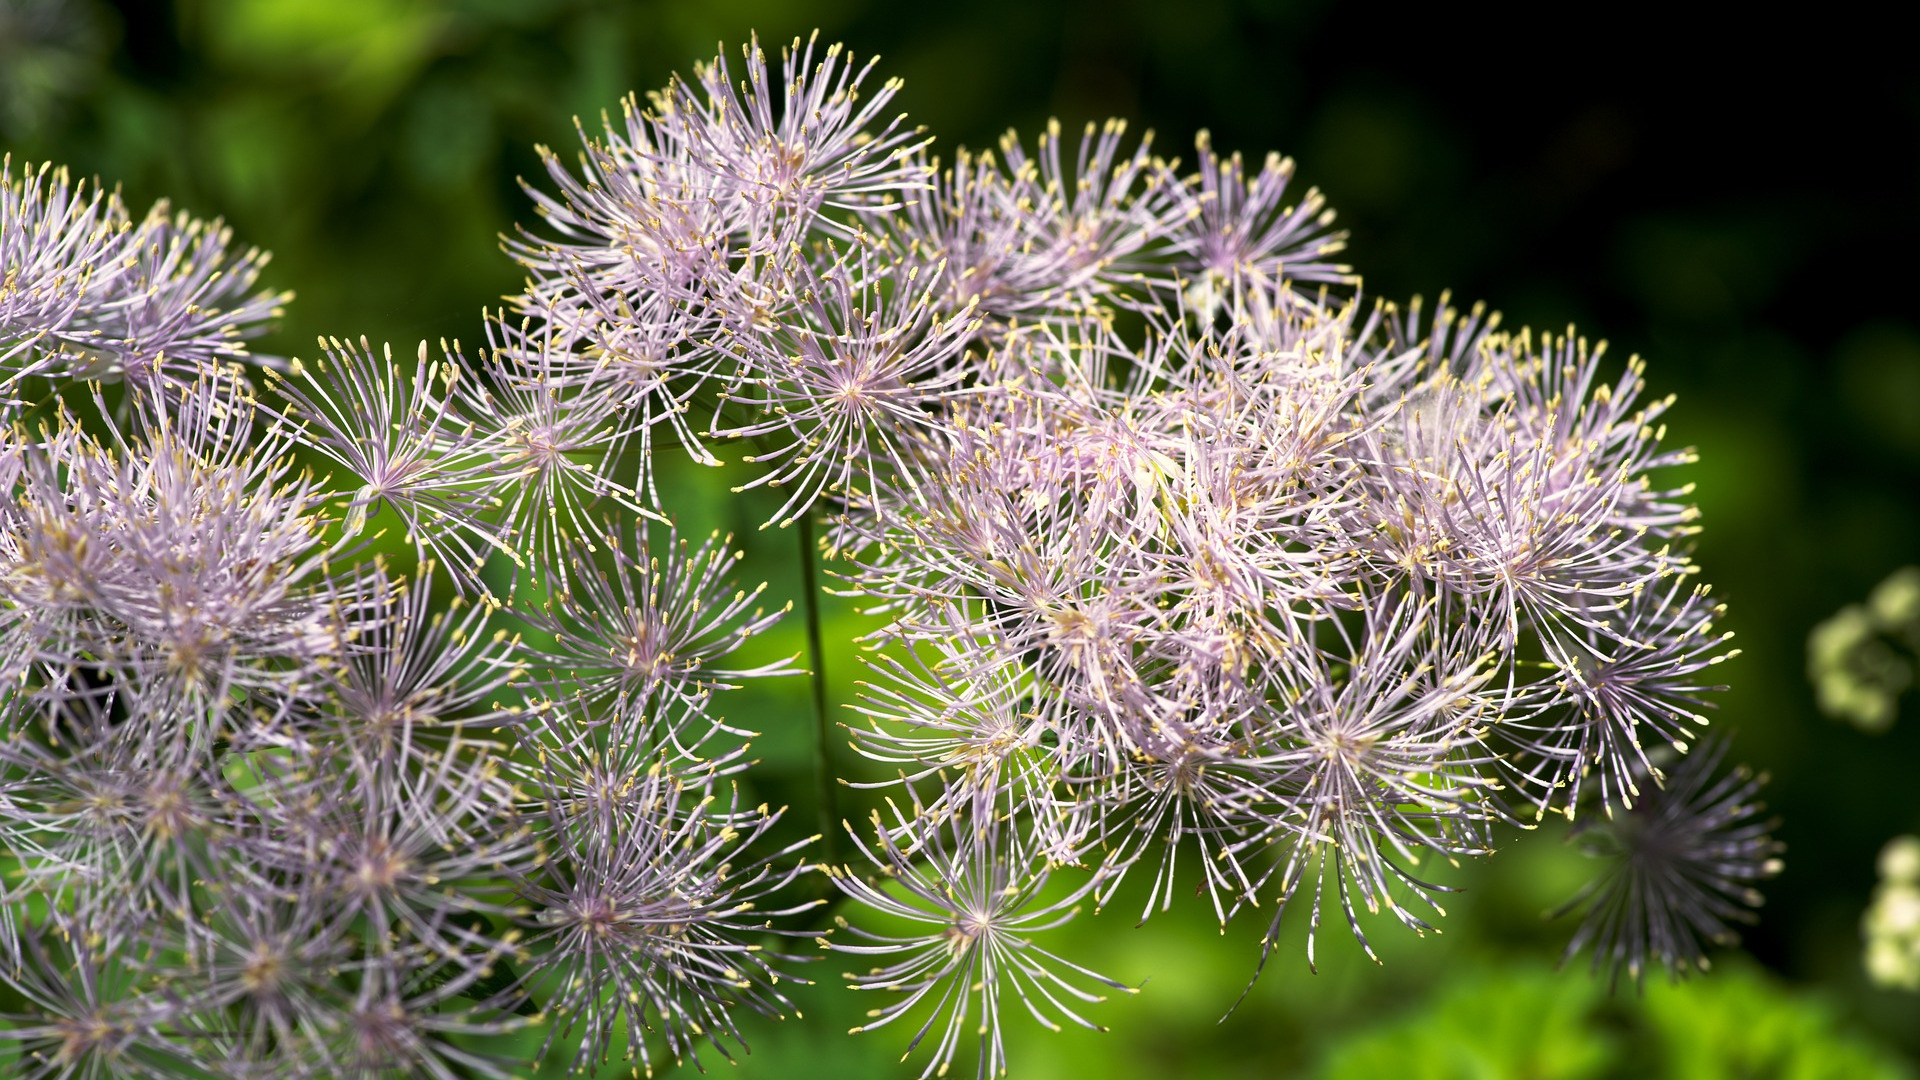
column 1734, row 197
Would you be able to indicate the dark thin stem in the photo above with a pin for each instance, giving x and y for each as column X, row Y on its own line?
column 826, row 783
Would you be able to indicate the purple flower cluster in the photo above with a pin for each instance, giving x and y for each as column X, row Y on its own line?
column 271, row 808
column 276, row 803
column 1182, row 554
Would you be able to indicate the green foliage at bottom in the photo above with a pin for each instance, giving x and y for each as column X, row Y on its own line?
column 1530, row 1023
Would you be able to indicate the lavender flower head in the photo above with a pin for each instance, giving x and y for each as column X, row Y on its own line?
column 90, row 291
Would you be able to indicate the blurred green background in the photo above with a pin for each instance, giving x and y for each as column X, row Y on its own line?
column 1737, row 200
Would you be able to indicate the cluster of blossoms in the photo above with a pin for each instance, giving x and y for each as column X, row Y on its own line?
column 1892, row 923
column 1862, row 661
column 276, row 801
column 1863, row 658
column 1182, row 554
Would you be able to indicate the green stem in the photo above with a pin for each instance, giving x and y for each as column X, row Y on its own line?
column 826, row 782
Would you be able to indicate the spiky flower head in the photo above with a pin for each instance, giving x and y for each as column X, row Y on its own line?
column 649, row 906
column 970, row 903
column 88, row 291
column 1681, row 868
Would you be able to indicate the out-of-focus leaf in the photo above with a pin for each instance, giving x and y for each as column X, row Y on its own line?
column 1529, row 1023
column 361, row 53
column 1739, row 1024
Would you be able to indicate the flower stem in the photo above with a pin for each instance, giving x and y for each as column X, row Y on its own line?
column 826, row 782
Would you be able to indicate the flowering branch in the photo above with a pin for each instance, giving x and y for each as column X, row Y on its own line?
column 1305, row 589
